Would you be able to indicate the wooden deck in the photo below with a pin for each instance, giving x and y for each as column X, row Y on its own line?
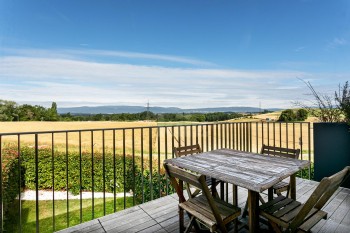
column 161, row 215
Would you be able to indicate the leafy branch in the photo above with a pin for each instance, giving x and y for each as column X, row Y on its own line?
column 323, row 107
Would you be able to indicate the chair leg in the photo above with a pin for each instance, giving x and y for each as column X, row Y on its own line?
column 261, row 199
column 181, row 220
column 275, row 227
column 189, row 227
column 288, row 191
column 245, row 211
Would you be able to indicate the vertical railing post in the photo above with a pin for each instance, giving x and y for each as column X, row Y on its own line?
column 212, row 137
column 172, row 141
column 197, row 135
column 240, row 137
column 124, row 169
column 67, row 180
column 19, row 181
column 114, row 174
column 207, row 136
column 250, row 137
column 158, row 162
column 80, row 179
column 268, row 133
column 293, row 135
column 37, row 182
column 92, row 176
column 150, row 163
column 133, row 165
column 53, row 180
column 257, row 136
column 309, row 148
column 104, row 172
column 1, row 195
column 142, row 171
column 166, row 156
column 274, row 134
column 280, row 134
column 287, row 134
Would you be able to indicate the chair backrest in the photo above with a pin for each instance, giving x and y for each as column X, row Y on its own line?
column 178, row 175
column 280, row 151
column 320, row 195
column 187, row 150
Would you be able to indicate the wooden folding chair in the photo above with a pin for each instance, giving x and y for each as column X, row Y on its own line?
column 187, row 150
column 281, row 152
column 191, row 150
column 280, row 186
column 209, row 210
column 287, row 215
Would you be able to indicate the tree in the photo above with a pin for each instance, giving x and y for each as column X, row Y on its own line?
column 323, row 106
column 52, row 114
column 8, row 110
column 301, row 114
column 343, row 100
column 287, row 115
column 26, row 112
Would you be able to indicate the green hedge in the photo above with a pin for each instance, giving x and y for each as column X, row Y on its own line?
column 143, row 190
column 304, row 173
column 11, row 174
column 71, row 163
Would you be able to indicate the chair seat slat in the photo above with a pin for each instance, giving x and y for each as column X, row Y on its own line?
column 206, row 208
column 294, row 216
column 281, row 185
column 279, row 205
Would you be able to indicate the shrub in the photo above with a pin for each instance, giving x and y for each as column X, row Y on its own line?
column 323, row 107
column 291, row 115
column 287, row 115
column 60, row 164
column 143, row 184
column 12, row 172
column 343, row 100
column 304, row 173
column 301, row 114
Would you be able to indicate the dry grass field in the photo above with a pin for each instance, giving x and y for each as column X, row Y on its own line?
column 140, row 137
column 81, row 134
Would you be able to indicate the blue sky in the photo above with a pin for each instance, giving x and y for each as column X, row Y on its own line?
column 172, row 53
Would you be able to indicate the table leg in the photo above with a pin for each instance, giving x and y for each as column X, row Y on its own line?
column 293, row 191
column 270, row 194
column 235, row 203
column 214, row 192
column 222, row 190
column 253, row 205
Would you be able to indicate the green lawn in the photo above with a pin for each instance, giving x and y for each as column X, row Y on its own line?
column 46, row 213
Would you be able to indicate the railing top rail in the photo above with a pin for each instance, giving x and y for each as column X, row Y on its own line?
column 130, row 128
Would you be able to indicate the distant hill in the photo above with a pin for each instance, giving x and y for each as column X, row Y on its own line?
column 137, row 109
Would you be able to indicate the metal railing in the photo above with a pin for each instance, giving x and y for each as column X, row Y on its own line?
column 116, row 161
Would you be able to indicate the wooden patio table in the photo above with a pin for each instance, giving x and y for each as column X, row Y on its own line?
column 255, row 172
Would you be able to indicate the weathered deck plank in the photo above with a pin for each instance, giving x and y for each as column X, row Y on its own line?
column 161, row 215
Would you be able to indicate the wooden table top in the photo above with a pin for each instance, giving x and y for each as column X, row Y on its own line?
column 249, row 170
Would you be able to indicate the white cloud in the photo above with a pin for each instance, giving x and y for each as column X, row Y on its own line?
column 93, row 53
column 336, row 42
column 69, row 81
column 299, row 49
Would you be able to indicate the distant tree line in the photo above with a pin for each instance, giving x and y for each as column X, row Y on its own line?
column 11, row 111
column 147, row 115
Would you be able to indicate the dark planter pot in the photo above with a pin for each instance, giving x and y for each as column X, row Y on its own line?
column 332, row 149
